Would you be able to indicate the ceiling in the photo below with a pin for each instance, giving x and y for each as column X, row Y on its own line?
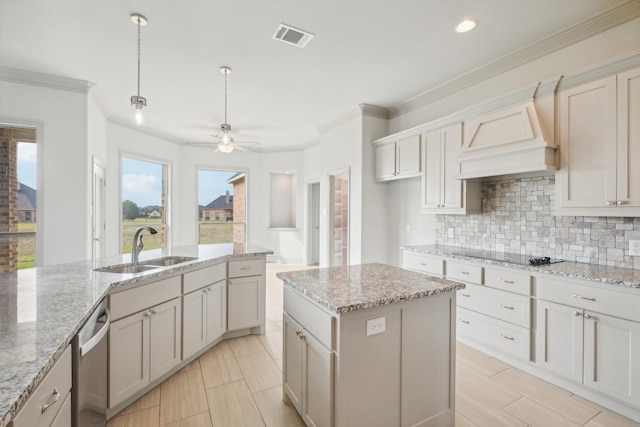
column 380, row 52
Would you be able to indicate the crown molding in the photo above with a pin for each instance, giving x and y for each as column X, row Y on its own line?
column 601, row 70
column 609, row 19
column 374, row 111
column 33, row 78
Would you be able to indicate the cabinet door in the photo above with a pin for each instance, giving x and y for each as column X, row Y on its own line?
column 450, row 186
column 611, row 354
column 164, row 337
column 63, row 418
column 128, row 356
column 194, row 332
column 216, row 314
column 408, row 156
column 628, row 188
column 244, row 308
column 317, row 383
column 386, row 161
column 559, row 339
column 292, row 362
column 432, row 169
column 587, row 175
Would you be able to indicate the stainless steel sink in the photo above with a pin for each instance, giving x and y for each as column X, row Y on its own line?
column 145, row 265
column 127, row 268
column 169, row 260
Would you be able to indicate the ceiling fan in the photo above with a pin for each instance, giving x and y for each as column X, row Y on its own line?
column 226, row 143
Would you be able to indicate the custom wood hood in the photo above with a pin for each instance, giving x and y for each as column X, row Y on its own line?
column 511, row 135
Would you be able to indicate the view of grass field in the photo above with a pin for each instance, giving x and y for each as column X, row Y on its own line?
column 210, row 232
column 27, row 245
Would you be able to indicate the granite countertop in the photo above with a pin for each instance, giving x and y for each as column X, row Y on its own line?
column 356, row 287
column 592, row 272
column 43, row 308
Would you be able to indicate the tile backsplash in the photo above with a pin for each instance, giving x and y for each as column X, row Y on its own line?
column 517, row 217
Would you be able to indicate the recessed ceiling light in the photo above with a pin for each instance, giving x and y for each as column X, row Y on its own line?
column 466, row 25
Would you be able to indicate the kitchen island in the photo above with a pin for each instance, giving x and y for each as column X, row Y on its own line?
column 43, row 308
column 369, row 345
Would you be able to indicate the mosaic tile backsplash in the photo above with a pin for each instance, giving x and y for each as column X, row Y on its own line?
column 517, row 217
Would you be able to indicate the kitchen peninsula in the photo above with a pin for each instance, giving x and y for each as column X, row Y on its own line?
column 46, row 306
column 369, row 345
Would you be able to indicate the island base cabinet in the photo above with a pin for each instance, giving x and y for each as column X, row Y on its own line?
column 308, row 375
column 142, row 347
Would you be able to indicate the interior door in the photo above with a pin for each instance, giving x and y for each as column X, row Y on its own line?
column 97, row 210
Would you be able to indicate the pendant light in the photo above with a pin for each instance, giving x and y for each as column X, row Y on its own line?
column 225, row 145
column 137, row 101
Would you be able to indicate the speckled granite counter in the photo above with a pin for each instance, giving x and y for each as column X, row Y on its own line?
column 355, row 287
column 42, row 309
column 592, row 272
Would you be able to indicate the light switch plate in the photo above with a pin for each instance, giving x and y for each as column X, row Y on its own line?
column 634, row 247
column 375, row 326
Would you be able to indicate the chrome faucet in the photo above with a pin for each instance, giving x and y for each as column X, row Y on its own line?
column 136, row 248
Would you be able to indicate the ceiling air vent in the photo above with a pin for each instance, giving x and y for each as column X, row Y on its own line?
column 293, row 36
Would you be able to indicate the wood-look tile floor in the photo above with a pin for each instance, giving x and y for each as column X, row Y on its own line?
column 239, row 383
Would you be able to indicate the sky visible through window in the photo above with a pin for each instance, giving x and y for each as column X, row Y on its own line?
column 27, row 164
column 213, row 184
column 141, row 182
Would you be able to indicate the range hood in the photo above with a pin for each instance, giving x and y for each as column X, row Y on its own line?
column 512, row 140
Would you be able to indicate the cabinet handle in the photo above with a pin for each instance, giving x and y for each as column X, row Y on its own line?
column 245, row 268
column 153, row 311
column 587, row 316
column 464, row 321
column 511, row 282
column 423, row 263
column 577, row 313
column 505, row 337
column 506, row 306
column 147, row 314
column 622, row 202
column 581, row 297
column 465, row 295
column 610, row 203
column 56, row 396
column 463, row 272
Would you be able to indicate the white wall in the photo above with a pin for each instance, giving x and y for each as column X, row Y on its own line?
column 96, row 148
column 60, row 118
column 404, row 195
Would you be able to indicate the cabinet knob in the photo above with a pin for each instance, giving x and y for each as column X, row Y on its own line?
column 56, row 396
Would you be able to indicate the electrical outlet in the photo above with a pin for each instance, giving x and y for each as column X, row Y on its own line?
column 451, row 235
column 407, row 229
column 375, row 326
column 634, row 247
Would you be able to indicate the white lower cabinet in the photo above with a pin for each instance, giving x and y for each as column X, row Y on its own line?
column 204, row 317
column 246, row 294
column 50, row 403
column 308, row 374
column 595, row 349
column 143, row 347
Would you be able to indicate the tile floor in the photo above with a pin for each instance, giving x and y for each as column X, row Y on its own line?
column 238, row 383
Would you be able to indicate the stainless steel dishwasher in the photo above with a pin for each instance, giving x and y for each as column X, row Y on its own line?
column 89, row 382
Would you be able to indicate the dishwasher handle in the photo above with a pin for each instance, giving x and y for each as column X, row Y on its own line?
column 94, row 340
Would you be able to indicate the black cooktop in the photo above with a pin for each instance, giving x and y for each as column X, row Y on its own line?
column 509, row 258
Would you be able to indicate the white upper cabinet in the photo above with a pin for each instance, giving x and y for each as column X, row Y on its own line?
column 396, row 160
column 442, row 191
column 599, row 125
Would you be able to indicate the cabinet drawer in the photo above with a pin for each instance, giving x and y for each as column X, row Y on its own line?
column 507, row 280
column 618, row 304
column 133, row 300
column 464, row 272
column 195, row 280
column 423, row 263
column 249, row 267
column 58, row 379
column 318, row 322
column 501, row 335
column 501, row 305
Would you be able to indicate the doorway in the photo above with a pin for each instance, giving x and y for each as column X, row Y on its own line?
column 313, row 224
column 97, row 210
column 339, row 218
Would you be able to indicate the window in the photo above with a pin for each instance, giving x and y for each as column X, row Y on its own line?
column 223, row 194
column 144, row 201
column 18, row 194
